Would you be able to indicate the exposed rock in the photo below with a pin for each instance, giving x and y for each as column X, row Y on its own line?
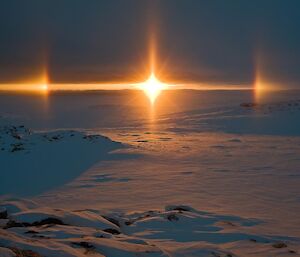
column 14, row 224
column 112, row 231
column 3, row 213
column 180, row 208
column 3, row 223
column 112, row 220
column 128, row 222
column 248, row 105
column 279, row 245
column 172, row 217
column 17, row 147
column 47, row 221
column 24, row 253
column 31, row 232
column 83, row 244
column 292, row 251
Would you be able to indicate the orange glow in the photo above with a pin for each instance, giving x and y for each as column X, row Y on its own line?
column 44, row 87
column 263, row 83
column 38, row 84
column 44, row 84
column 152, row 87
column 258, row 87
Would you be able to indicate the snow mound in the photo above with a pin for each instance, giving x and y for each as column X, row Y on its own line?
column 5, row 252
column 35, row 162
column 179, row 230
column 76, row 218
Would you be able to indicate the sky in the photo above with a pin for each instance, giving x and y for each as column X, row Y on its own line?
column 98, row 41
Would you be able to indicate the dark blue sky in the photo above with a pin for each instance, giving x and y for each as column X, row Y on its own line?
column 210, row 41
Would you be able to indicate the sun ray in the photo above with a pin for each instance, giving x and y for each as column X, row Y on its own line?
column 152, row 87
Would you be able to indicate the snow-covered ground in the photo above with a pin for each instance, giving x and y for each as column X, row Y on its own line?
column 32, row 163
column 276, row 118
column 220, row 180
column 174, row 231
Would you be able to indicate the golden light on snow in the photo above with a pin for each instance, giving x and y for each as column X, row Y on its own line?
column 152, row 87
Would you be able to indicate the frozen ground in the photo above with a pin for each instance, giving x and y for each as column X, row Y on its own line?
column 32, row 163
column 236, row 165
column 176, row 231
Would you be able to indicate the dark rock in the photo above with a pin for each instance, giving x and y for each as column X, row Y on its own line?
column 112, row 231
column 16, row 136
column 31, row 232
column 215, row 254
column 181, row 208
column 248, row 105
column 229, row 223
column 14, row 224
column 172, row 217
column 17, row 147
column 3, row 213
column 24, row 253
column 83, row 244
column 47, row 221
column 41, row 236
column 128, row 222
column 279, row 245
column 112, row 220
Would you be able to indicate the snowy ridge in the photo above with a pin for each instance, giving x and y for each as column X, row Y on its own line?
column 34, row 162
column 175, row 231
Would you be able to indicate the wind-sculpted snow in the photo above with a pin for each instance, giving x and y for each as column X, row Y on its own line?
column 243, row 185
column 279, row 118
column 175, row 231
column 34, row 162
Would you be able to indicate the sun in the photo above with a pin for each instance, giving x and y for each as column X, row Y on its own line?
column 44, row 87
column 152, row 87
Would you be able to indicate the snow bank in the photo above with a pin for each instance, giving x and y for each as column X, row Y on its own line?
column 175, row 231
column 32, row 162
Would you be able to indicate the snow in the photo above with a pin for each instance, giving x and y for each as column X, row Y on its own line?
column 219, row 179
column 279, row 118
column 33, row 162
column 78, row 218
column 175, row 231
column 4, row 252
